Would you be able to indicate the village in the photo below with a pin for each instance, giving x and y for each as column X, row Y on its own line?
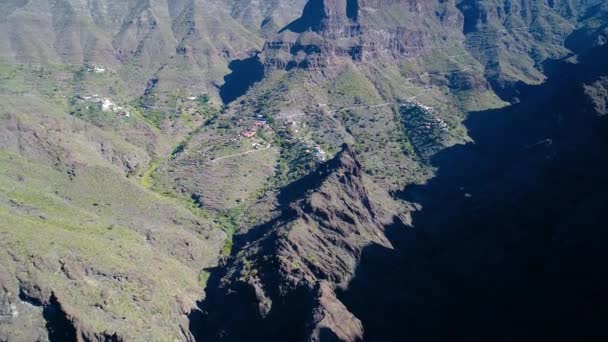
column 256, row 127
column 107, row 105
column 259, row 123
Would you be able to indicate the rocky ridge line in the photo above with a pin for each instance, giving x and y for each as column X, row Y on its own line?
column 283, row 277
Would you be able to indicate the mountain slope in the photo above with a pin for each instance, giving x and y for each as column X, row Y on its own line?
column 283, row 275
column 507, row 242
column 160, row 153
column 185, row 44
column 86, row 247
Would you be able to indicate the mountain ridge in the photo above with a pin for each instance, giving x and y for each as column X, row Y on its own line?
column 288, row 268
column 332, row 169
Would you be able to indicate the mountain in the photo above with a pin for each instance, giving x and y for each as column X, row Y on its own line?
column 489, row 230
column 184, row 44
column 266, row 17
column 336, row 29
column 312, row 169
column 283, row 276
column 514, row 254
column 85, row 247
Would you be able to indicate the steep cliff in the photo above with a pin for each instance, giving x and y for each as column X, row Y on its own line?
column 283, row 276
column 360, row 30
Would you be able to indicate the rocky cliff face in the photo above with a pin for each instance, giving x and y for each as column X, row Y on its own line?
column 512, row 39
column 329, row 30
column 21, row 310
column 361, row 29
column 266, row 16
column 85, row 249
column 283, row 277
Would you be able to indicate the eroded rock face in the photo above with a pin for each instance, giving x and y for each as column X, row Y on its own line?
column 331, row 320
column 19, row 320
column 283, row 277
column 597, row 95
column 33, row 312
column 330, row 30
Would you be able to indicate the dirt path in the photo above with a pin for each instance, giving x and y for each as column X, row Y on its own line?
column 240, row 154
column 401, row 104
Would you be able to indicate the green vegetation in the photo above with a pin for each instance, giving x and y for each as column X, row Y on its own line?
column 203, row 99
column 352, row 87
column 96, row 219
column 229, row 222
column 296, row 161
column 69, row 191
column 203, row 277
column 146, row 179
column 155, row 117
column 181, row 147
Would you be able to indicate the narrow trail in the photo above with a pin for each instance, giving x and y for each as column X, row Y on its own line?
column 400, row 103
column 291, row 116
column 240, row 154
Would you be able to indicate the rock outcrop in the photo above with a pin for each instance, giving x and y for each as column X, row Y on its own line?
column 35, row 313
column 283, row 276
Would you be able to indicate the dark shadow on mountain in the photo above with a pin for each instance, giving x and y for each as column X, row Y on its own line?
column 245, row 73
column 510, row 242
column 352, row 9
column 312, row 15
column 286, row 320
column 326, row 335
column 588, row 36
column 58, row 323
